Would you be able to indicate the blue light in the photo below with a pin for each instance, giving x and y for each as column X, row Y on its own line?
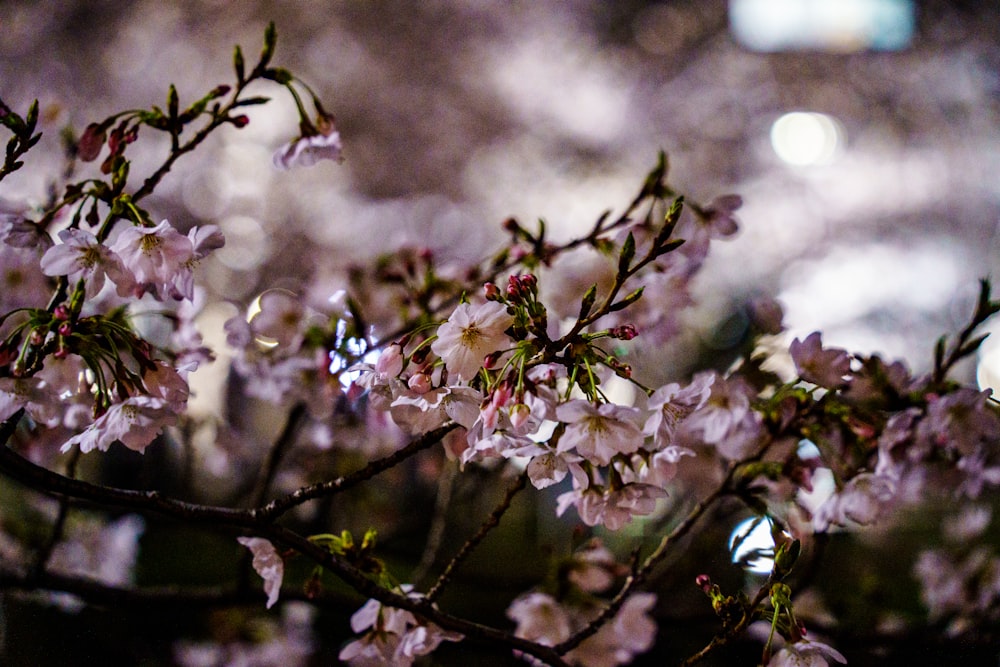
column 841, row 26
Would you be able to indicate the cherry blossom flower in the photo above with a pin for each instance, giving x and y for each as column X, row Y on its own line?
column 823, row 367
column 671, row 404
column 81, row 255
column 593, row 567
column 540, row 618
column 726, row 413
column 599, row 432
column 544, row 620
column 394, row 636
column 960, row 420
column 159, row 258
column 307, row 151
column 281, row 317
column 134, row 422
column 614, row 508
column 419, row 413
column 267, row 562
column 631, row 632
column 806, row 653
column 37, row 398
column 719, row 215
column 547, row 467
column 861, row 501
column 471, row 333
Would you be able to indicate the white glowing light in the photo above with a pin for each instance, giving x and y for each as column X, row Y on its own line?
column 749, row 537
column 806, row 138
column 840, row 26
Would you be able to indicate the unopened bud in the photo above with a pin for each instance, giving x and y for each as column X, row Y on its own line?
column 61, row 312
column 491, row 292
column 519, row 414
column 704, row 582
column 624, row 332
column 220, row 90
column 390, row 362
column 90, row 143
column 419, row 383
column 240, row 121
column 65, row 329
column 491, row 359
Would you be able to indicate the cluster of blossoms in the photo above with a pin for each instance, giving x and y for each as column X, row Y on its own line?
column 529, row 375
column 392, row 636
column 552, row 617
column 65, row 367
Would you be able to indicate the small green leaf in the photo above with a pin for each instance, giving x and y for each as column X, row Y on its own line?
column 172, row 103
column 588, row 301
column 270, row 39
column 238, row 64
column 627, row 301
column 627, row 255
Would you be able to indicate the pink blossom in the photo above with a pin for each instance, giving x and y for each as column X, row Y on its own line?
column 597, row 433
column 823, row 367
column 134, row 422
column 540, row 618
column 728, row 405
column 267, row 562
column 631, row 632
column 614, row 508
column 471, row 333
column 281, row 317
column 38, row 399
column 671, row 404
column 81, row 255
column 806, row 653
column 392, row 636
column 307, row 151
column 861, row 501
column 159, row 258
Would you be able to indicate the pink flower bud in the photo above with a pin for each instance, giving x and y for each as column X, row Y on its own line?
column 90, row 143
column 491, row 291
column 390, row 362
column 419, row 383
column 65, row 329
column 491, row 359
column 240, row 121
column 519, row 414
column 61, row 313
column 624, row 332
column 703, row 581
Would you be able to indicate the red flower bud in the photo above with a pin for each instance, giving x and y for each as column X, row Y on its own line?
column 90, row 143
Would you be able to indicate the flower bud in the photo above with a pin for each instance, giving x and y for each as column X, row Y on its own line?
column 491, row 292
column 419, row 383
column 240, row 121
column 519, row 414
column 491, row 359
column 90, row 143
column 390, row 362
column 65, row 329
column 61, row 312
column 624, row 332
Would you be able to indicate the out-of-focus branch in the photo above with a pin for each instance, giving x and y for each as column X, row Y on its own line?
column 491, row 522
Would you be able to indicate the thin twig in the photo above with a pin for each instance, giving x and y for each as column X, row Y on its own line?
column 491, row 522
